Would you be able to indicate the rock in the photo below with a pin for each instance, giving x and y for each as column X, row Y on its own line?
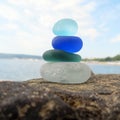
column 37, row 99
column 66, row 72
column 67, row 43
column 65, row 27
column 21, row 102
column 97, row 99
column 58, row 56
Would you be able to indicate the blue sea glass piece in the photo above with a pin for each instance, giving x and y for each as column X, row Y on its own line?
column 67, row 43
column 65, row 27
column 60, row 56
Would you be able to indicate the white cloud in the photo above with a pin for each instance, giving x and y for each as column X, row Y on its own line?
column 90, row 6
column 18, row 2
column 8, row 12
column 28, row 12
column 38, row 16
column 9, row 26
column 61, row 5
column 116, row 39
column 30, row 43
column 90, row 33
column 57, row 9
column 24, row 34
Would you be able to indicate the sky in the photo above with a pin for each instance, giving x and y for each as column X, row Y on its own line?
column 26, row 25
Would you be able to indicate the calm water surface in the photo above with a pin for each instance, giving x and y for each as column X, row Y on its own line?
column 22, row 69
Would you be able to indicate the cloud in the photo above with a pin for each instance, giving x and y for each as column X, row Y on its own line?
column 39, row 14
column 90, row 33
column 19, row 2
column 31, row 43
column 116, row 39
column 35, row 19
column 57, row 9
column 8, row 12
column 8, row 26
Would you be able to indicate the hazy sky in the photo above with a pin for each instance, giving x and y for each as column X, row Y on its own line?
column 26, row 25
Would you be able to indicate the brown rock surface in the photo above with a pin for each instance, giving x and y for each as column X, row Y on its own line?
column 97, row 99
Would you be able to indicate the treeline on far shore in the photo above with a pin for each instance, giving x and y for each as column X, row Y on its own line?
column 115, row 58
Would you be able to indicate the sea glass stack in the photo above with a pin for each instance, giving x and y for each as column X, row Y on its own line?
column 63, row 64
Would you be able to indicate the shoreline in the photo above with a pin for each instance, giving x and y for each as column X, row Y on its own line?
column 102, row 63
column 86, row 62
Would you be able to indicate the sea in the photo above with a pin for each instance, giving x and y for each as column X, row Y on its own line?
column 26, row 69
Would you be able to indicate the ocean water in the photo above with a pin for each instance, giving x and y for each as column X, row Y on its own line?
column 25, row 69
column 19, row 69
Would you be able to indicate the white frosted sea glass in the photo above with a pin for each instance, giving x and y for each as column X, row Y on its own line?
column 66, row 72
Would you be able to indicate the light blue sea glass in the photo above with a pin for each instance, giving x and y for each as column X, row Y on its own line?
column 65, row 27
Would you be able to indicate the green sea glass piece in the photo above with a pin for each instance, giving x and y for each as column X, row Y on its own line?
column 60, row 56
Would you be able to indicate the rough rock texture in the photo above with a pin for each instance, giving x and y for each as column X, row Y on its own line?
column 97, row 99
column 20, row 102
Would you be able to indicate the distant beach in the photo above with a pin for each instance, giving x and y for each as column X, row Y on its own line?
column 102, row 63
